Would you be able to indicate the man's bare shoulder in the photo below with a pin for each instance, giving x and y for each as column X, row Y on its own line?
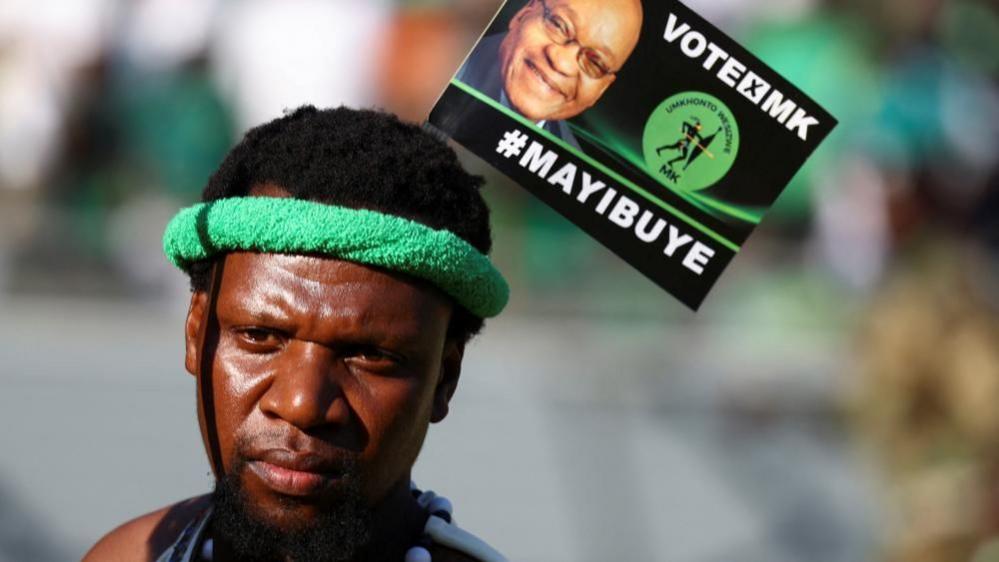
column 144, row 538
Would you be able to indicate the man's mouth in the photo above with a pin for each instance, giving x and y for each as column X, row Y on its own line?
column 295, row 474
column 545, row 80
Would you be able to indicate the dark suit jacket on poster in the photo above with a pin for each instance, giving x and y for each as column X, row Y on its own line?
column 482, row 72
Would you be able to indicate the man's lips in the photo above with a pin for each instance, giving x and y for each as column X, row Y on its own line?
column 541, row 75
column 295, row 474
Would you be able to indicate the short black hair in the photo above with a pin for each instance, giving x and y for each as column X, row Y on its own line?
column 362, row 159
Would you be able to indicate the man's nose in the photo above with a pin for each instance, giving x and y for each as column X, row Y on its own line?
column 306, row 391
column 563, row 58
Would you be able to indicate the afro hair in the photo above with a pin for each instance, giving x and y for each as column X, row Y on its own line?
column 361, row 159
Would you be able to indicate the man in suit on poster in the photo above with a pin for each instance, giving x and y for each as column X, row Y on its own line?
column 556, row 59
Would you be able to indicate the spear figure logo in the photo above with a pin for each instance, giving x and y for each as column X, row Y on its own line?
column 691, row 138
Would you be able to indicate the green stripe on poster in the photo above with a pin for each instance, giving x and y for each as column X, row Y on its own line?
column 603, row 169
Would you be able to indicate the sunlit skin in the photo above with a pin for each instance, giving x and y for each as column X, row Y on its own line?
column 319, row 360
column 312, row 361
column 542, row 79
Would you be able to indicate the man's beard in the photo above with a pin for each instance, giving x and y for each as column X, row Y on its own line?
column 336, row 535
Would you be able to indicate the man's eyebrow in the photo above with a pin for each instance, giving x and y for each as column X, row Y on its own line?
column 572, row 12
column 602, row 49
column 263, row 310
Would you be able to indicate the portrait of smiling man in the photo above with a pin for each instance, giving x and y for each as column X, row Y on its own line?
column 556, row 59
column 338, row 266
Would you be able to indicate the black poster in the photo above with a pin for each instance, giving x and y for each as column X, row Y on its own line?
column 640, row 122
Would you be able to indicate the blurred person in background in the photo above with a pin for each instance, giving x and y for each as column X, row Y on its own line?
column 923, row 388
column 924, row 402
column 420, row 49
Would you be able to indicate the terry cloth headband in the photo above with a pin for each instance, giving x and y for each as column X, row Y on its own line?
column 292, row 226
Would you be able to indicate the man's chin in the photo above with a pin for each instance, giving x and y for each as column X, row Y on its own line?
column 528, row 105
column 531, row 110
column 283, row 514
column 287, row 527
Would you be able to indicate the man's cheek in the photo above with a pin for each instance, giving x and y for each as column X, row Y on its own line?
column 396, row 438
column 409, row 431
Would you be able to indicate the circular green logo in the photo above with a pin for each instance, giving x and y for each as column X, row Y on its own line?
column 690, row 141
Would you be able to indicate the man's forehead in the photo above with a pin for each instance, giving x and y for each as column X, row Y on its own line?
column 608, row 26
column 589, row 8
column 322, row 286
column 305, row 268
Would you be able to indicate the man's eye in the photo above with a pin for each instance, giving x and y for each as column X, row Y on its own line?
column 559, row 27
column 592, row 64
column 259, row 337
column 372, row 354
column 374, row 358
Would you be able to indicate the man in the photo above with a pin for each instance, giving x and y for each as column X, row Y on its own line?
column 556, row 59
column 690, row 135
column 338, row 268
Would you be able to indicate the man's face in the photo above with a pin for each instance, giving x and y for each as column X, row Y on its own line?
column 557, row 65
column 325, row 376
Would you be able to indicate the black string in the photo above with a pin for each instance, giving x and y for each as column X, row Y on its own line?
column 208, row 347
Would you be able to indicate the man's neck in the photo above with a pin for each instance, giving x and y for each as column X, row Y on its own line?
column 397, row 524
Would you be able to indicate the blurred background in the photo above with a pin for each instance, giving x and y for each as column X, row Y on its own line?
column 835, row 400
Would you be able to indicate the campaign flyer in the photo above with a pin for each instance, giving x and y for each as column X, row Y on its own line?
column 640, row 122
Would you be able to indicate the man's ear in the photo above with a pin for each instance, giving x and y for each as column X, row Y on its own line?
column 193, row 328
column 454, row 351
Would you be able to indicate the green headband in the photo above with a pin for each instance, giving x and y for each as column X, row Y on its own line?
column 292, row 226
